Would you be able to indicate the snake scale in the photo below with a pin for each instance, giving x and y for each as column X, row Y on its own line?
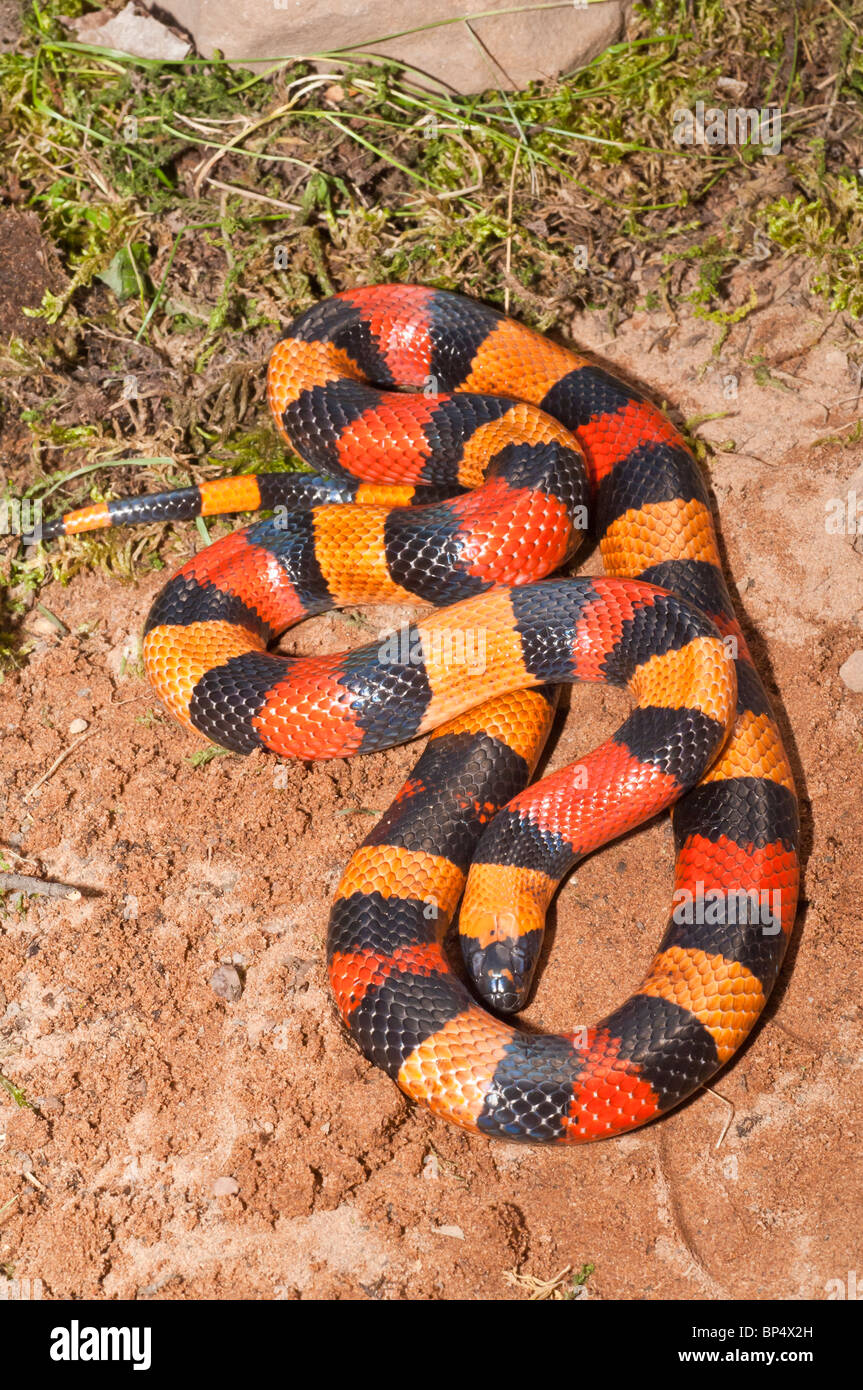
column 457, row 454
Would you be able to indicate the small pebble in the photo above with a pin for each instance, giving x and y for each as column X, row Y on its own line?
column 851, row 672
column 431, row 1168
column 225, row 1187
column 78, row 726
column 226, row 983
column 733, row 85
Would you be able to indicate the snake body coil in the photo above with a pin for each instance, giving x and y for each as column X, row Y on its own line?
column 530, row 436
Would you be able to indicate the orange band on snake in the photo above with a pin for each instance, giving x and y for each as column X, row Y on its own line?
column 532, row 439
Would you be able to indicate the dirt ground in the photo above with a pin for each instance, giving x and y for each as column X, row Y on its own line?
column 185, row 1145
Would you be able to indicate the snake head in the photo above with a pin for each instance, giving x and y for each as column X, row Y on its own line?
column 502, row 973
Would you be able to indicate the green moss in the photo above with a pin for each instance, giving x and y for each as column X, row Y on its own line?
column 258, row 450
column 828, row 230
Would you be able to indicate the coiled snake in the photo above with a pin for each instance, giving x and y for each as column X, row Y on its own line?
column 530, row 437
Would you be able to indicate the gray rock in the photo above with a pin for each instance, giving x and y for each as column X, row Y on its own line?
column 513, row 49
column 129, row 32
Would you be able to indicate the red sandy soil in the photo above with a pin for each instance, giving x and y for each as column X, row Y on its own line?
column 185, row 1145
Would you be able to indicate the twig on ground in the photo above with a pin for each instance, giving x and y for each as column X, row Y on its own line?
column 56, row 763
column 25, row 883
column 731, row 1107
column 255, row 197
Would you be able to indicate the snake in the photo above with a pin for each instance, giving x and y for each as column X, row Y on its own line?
column 458, row 457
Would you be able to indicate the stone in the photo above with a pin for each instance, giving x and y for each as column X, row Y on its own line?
column 851, row 672
column 225, row 1187
column 129, row 32
column 226, row 983
column 507, row 50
